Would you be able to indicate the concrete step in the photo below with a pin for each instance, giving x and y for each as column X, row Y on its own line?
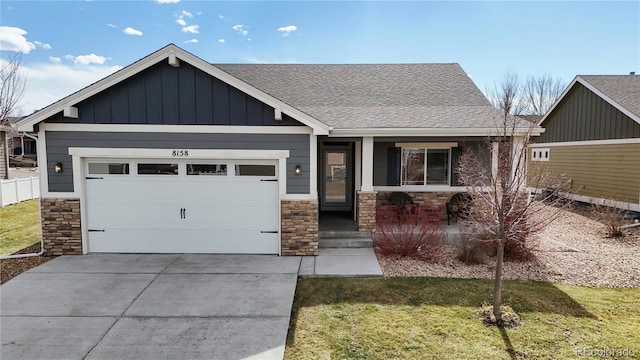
column 341, row 234
column 345, row 243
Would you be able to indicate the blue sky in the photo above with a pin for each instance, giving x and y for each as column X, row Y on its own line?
column 67, row 45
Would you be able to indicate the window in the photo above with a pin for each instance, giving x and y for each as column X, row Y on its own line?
column 108, row 168
column 540, row 154
column 157, row 169
column 425, row 166
column 255, row 170
column 207, row 169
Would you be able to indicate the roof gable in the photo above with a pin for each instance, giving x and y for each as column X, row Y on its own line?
column 621, row 91
column 174, row 54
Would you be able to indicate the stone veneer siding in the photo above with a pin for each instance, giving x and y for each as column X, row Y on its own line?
column 367, row 203
column 299, row 227
column 439, row 199
column 61, row 233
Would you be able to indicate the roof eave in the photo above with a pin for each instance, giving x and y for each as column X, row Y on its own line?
column 441, row 132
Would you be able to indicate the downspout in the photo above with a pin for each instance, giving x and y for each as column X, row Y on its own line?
column 18, row 256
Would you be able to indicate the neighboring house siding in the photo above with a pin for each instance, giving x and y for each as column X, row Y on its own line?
column 601, row 171
column 58, row 143
column 166, row 95
column 3, row 156
column 582, row 115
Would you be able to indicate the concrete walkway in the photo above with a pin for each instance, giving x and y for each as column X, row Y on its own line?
column 161, row 306
column 341, row 262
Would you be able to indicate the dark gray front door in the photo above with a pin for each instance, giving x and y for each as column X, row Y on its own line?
column 337, row 179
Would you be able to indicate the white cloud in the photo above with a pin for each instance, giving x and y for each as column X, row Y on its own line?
column 12, row 39
column 193, row 29
column 112, row 26
column 132, row 31
column 187, row 14
column 87, row 59
column 181, row 22
column 167, row 1
column 221, row 41
column 241, row 29
column 42, row 45
column 192, row 41
column 221, row 17
column 286, row 30
column 47, row 83
column 55, row 60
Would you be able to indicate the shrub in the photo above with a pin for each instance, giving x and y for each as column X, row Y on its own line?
column 612, row 217
column 406, row 232
column 474, row 251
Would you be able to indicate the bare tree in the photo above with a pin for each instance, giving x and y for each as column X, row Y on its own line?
column 540, row 93
column 12, row 85
column 500, row 209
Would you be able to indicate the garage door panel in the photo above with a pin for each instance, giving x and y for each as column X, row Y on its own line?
column 186, row 241
column 222, row 214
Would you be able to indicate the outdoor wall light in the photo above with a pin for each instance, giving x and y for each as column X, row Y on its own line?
column 58, row 168
column 298, row 170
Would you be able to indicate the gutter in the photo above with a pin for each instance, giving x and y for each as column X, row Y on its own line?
column 19, row 256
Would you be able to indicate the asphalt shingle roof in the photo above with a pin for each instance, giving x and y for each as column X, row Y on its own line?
column 352, row 96
column 623, row 89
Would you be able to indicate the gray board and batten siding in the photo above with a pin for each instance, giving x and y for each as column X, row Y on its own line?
column 583, row 116
column 59, row 142
column 166, row 95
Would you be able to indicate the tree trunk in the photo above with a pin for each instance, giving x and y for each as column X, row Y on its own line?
column 497, row 287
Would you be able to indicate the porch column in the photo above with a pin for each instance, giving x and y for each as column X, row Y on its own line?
column 367, row 164
column 366, row 195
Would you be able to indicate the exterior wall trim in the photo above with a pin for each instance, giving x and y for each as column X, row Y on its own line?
column 587, row 143
column 221, row 129
column 167, row 153
column 413, row 132
column 593, row 200
column 421, row 188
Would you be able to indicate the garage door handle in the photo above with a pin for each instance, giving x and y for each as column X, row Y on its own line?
column 183, row 213
column 268, row 179
column 94, row 178
column 268, row 232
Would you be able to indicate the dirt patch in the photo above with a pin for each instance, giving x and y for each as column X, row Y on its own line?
column 11, row 268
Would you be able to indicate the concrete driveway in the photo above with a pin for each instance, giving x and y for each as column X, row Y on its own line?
column 130, row 306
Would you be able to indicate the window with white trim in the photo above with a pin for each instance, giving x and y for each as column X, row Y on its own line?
column 540, row 154
column 425, row 166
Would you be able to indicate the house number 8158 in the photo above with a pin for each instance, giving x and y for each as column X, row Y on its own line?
column 180, row 153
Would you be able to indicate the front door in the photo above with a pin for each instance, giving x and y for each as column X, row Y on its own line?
column 337, row 179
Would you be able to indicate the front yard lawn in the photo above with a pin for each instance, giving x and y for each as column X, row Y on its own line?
column 436, row 318
column 19, row 226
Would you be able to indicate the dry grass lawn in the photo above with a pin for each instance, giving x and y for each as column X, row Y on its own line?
column 19, row 226
column 436, row 318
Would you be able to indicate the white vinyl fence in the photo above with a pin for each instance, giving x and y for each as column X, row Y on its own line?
column 17, row 190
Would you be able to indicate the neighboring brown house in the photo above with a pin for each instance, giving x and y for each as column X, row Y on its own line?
column 4, row 156
column 592, row 137
column 174, row 154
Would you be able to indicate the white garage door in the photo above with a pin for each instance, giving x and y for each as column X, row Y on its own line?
column 152, row 206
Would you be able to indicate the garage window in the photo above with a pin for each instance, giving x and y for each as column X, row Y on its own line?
column 108, row 169
column 207, row 169
column 255, row 170
column 157, row 169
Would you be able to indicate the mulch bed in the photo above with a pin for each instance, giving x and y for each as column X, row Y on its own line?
column 11, row 268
